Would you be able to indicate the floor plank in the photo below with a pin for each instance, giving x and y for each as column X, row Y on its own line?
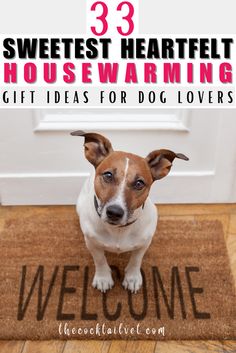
column 9, row 211
column 11, row 346
column 229, row 346
column 189, row 347
column 232, row 224
column 177, row 217
column 231, row 247
column 194, row 209
column 141, row 346
column 91, row 346
column 54, row 346
column 118, row 346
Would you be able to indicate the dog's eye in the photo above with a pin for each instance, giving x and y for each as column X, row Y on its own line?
column 107, row 177
column 139, row 184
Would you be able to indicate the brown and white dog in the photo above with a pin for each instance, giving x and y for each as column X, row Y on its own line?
column 115, row 211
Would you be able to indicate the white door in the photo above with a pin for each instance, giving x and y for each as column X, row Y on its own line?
column 40, row 163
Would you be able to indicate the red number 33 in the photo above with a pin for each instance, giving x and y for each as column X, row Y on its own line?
column 103, row 16
column 128, row 18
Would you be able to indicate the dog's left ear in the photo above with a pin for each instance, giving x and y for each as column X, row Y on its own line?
column 160, row 162
column 96, row 146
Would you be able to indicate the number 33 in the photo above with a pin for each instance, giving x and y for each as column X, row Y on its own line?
column 102, row 18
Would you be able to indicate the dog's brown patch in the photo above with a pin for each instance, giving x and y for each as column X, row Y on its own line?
column 138, row 169
column 160, row 162
column 116, row 163
column 96, row 146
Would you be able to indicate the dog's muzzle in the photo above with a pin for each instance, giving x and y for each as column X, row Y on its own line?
column 114, row 213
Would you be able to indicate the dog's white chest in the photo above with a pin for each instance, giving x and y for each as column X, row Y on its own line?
column 117, row 243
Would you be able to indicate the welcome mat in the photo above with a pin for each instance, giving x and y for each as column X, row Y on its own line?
column 46, row 293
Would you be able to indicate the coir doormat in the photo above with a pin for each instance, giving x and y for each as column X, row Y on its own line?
column 46, row 293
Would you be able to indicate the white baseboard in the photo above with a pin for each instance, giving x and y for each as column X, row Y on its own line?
column 63, row 189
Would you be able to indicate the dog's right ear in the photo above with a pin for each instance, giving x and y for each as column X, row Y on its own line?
column 96, row 146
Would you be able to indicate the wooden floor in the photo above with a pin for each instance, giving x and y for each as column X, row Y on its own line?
column 225, row 213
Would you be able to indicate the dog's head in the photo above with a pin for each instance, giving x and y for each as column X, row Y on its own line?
column 123, row 180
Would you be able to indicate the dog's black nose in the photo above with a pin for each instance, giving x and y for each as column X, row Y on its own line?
column 114, row 212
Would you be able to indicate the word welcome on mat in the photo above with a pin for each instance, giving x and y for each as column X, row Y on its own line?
column 46, row 284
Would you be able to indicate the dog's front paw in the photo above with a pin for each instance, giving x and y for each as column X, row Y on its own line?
column 133, row 281
column 103, row 282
